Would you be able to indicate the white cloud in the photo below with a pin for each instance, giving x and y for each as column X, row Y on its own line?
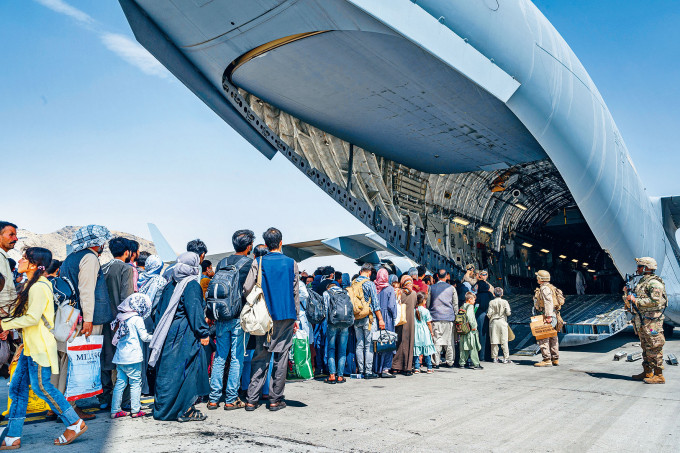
column 121, row 45
column 64, row 8
column 133, row 53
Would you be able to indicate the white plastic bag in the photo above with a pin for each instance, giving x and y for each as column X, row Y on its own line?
column 84, row 367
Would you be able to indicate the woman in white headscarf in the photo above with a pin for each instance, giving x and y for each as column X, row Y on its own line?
column 151, row 283
column 176, row 347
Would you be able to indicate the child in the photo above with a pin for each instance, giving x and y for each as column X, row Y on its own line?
column 129, row 330
column 469, row 342
column 423, row 343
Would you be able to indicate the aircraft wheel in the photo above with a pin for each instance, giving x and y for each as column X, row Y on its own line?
column 668, row 330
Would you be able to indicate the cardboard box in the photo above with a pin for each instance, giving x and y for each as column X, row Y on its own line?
column 540, row 329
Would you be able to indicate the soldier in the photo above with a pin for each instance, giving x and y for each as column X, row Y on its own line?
column 548, row 300
column 647, row 303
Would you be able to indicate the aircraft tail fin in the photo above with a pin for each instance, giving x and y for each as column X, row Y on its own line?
column 163, row 248
column 670, row 209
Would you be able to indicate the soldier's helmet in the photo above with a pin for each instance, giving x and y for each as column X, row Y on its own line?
column 543, row 276
column 470, row 267
column 646, row 261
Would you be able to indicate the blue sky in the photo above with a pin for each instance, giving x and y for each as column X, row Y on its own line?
column 93, row 131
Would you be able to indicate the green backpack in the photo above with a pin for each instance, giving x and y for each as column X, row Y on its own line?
column 462, row 324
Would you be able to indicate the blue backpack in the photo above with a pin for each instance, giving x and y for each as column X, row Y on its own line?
column 315, row 309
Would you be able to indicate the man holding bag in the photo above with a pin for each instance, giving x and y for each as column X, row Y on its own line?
column 280, row 279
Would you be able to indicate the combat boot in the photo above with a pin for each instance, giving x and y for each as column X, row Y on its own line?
column 657, row 378
column 556, row 362
column 544, row 363
column 647, row 373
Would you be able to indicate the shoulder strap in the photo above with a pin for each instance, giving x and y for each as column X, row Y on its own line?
column 44, row 319
column 240, row 263
column 259, row 273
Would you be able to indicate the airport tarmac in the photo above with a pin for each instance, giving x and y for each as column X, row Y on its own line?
column 588, row 403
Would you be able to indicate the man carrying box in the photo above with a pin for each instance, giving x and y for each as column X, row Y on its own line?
column 548, row 300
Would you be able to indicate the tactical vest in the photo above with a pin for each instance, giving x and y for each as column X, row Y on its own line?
column 641, row 291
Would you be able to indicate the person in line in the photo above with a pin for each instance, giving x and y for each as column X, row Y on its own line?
column 258, row 251
column 151, row 283
column 141, row 263
column 443, row 305
column 324, row 277
column 484, row 296
column 470, row 276
column 133, row 247
column 196, row 246
column 469, row 343
column 363, row 328
column 181, row 332
column 119, row 278
column 8, row 239
column 82, row 268
column 280, row 279
column 207, row 273
column 424, row 343
column 129, row 333
column 336, row 339
column 34, row 304
column 419, row 284
column 403, row 358
column 52, row 270
column 394, row 282
column 428, row 281
column 388, row 307
column 499, row 310
column 230, row 337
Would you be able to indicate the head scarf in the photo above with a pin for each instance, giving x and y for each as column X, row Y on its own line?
column 134, row 305
column 407, row 283
column 90, row 236
column 393, row 278
column 382, row 280
column 345, row 281
column 187, row 269
column 152, row 266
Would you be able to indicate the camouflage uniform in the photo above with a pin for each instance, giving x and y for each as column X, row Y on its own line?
column 651, row 300
column 543, row 302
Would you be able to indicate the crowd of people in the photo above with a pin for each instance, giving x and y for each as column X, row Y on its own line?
column 163, row 337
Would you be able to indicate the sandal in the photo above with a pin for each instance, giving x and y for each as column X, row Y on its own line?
column 192, row 415
column 251, row 407
column 78, row 428
column 340, row 380
column 3, row 441
column 329, row 381
column 238, row 404
column 213, row 406
column 138, row 414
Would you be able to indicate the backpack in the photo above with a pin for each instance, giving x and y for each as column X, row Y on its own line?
column 340, row 308
column 461, row 322
column 223, row 296
column 315, row 309
column 558, row 300
column 255, row 317
column 66, row 315
column 361, row 308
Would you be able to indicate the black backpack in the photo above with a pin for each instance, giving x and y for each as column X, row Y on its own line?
column 315, row 309
column 64, row 292
column 223, row 296
column 340, row 308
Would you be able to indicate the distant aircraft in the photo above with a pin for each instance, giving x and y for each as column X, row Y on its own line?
column 362, row 248
column 459, row 131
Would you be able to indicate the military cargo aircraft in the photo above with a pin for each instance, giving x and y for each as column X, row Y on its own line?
column 459, row 131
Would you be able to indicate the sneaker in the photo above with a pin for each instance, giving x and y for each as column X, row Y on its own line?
column 370, row 376
column 138, row 414
column 507, row 361
column 416, row 371
column 119, row 414
column 430, row 371
column 386, row 374
column 478, row 367
column 496, row 360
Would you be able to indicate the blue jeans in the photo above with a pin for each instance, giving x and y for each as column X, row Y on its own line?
column 28, row 372
column 130, row 372
column 362, row 330
column 340, row 350
column 230, row 338
column 426, row 358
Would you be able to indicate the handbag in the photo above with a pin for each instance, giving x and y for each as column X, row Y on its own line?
column 386, row 341
column 66, row 318
column 255, row 317
column 511, row 334
column 401, row 315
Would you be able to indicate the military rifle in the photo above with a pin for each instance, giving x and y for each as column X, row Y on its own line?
column 629, row 289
